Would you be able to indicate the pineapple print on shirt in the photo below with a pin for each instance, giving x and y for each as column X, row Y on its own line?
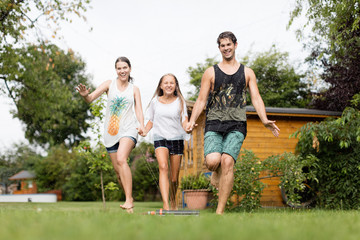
column 118, row 104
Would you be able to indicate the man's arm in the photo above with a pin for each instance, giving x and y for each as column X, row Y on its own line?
column 206, row 83
column 258, row 103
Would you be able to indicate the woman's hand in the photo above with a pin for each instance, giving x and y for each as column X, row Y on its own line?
column 83, row 91
column 142, row 132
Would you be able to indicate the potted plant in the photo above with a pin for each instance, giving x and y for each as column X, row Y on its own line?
column 195, row 190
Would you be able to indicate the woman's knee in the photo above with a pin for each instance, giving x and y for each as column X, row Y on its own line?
column 121, row 161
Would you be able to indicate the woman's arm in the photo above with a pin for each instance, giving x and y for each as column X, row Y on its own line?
column 138, row 110
column 90, row 97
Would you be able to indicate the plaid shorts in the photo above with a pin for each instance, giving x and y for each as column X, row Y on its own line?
column 175, row 147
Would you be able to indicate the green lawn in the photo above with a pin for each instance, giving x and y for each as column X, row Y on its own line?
column 87, row 220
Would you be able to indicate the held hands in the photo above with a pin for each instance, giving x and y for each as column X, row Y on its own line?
column 83, row 91
column 190, row 126
column 141, row 131
column 272, row 127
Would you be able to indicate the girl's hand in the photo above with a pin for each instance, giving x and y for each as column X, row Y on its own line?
column 141, row 131
column 83, row 91
column 190, row 126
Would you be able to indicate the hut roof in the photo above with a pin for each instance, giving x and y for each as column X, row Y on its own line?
column 302, row 112
column 22, row 175
column 294, row 111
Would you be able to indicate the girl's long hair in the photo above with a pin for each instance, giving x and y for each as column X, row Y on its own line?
column 159, row 92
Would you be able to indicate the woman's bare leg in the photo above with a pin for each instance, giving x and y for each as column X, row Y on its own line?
column 123, row 172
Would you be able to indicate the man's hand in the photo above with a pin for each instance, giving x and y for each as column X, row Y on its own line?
column 272, row 127
column 190, row 126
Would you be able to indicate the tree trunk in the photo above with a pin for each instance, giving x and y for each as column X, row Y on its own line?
column 102, row 190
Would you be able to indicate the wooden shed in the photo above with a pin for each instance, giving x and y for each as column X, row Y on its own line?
column 27, row 182
column 259, row 140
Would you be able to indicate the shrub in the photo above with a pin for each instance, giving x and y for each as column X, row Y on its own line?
column 336, row 143
column 199, row 181
column 246, row 181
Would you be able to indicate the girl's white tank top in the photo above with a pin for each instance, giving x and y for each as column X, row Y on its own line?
column 120, row 120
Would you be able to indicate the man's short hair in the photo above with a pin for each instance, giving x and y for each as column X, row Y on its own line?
column 228, row 35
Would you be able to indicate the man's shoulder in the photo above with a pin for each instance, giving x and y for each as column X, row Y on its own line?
column 209, row 72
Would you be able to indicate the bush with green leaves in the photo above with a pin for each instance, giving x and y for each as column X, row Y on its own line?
column 246, row 181
column 194, row 182
column 295, row 172
column 97, row 157
column 292, row 169
column 336, row 143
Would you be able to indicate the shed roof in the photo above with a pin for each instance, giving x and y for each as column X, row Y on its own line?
column 299, row 112
column 22, row 175
column 295, row 111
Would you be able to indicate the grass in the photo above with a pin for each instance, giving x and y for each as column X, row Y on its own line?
column 87, row 220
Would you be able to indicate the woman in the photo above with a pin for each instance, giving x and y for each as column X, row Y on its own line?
column 167, row 117
column 121, row 125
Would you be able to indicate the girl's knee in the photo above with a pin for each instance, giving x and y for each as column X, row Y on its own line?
column 163, row 167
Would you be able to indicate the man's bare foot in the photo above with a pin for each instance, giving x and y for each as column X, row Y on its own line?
column 219, row 213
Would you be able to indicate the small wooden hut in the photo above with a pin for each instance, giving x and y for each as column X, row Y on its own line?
column 27, row 182
column 258, row 139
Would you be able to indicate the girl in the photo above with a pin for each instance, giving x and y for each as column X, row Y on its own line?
column 168, row 117
column 121, row 125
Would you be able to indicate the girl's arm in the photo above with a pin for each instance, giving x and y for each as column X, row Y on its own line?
column 148, row 127
column 185, row 122
column 90, row 97
column 139, row 111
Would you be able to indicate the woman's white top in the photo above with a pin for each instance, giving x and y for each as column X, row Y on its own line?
column 166, row 119
column 120, row 120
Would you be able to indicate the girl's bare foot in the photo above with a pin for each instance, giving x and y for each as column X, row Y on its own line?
column 128, row 206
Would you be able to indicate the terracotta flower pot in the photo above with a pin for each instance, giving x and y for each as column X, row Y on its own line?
column 196, row 199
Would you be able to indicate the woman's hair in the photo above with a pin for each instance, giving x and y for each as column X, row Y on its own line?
column 127, row 61
column 159, row 92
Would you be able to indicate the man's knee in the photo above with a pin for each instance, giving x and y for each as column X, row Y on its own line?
column 212, row 161
column 227, row 162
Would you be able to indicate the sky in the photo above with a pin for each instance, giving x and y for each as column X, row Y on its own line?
column 164, row 36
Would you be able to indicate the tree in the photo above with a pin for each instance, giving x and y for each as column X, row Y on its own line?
column 41, row 81
column 97, row 158
column 278, row 83
column 20, row 157
column 19, row 17
column 334, row 41
column 54, row 169
column 196, row 75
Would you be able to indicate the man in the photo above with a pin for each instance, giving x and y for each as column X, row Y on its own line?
column 223, row 87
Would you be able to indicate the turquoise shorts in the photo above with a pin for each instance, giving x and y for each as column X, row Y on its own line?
column 229, row 143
